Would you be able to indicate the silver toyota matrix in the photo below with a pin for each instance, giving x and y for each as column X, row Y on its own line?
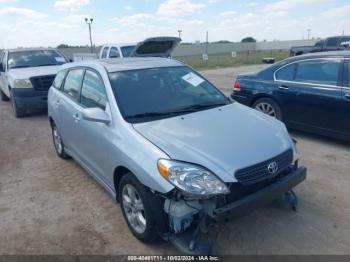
column 176, row 153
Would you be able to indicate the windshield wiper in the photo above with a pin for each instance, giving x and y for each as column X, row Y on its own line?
column 149, row 114
column 47, row 64
column 197, row 107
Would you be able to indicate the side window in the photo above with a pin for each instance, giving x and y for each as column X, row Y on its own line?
column 93, row 93
column 57, row 83
column 332, row 41
column 324, row 72
column 286, row 73
column 114, row 53
column 104, row 52
column 73, row 83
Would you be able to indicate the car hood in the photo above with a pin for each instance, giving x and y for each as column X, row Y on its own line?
column 222, row 139
column 28, row 72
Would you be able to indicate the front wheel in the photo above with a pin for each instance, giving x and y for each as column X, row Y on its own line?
column 3, row 96
column 17, row 111
column 269, row 107
column 142, row 210
column 57, row 141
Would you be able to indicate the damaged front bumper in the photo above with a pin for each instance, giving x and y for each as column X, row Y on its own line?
column 189, row 219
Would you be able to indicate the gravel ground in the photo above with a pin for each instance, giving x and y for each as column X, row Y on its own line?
column 52, row 206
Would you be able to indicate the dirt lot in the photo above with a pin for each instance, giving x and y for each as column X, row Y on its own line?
column 51, row 206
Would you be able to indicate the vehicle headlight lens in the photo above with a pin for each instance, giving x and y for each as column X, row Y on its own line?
column 190, row 178
column 23, row 83
column 295, row 151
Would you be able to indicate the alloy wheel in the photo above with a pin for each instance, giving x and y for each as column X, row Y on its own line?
column 57, row 140
column 266, row 108
column 133, row 208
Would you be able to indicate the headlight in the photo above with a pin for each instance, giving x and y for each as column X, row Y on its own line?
column 295, row 151
column 191, row 178
column 22, row 83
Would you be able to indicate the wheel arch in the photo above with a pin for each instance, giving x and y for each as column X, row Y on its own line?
column 119, row 172
column 264, row 95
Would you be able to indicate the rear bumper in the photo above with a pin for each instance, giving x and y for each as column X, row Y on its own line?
column 30, row 98
column 242, row 99
column 261, row 197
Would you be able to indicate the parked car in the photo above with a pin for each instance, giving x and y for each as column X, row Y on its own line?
column 26, row 76
column 329, row 44
column 154, row 46
column 116, row 50
column 309, row 92
column 174, row 151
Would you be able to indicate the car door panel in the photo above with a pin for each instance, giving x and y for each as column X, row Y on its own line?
column 308, row 103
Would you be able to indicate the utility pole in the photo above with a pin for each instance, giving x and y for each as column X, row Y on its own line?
column 308, row 34
column 179, row 31
column 89, row 22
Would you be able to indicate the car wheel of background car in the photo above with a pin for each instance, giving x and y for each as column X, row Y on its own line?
column 269, row 107
column 141, row 209
column 3, row 96
column 57, row 141
column 18, row 112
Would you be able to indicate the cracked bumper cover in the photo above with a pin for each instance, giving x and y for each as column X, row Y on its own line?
column 261, row 197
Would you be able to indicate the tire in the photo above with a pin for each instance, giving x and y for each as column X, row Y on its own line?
column 149, row 209
column 58, row 143
column 3, row 96
column 269, row 107
column 17, row 111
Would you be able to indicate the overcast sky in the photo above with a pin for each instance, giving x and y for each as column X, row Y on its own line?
column 51, row 22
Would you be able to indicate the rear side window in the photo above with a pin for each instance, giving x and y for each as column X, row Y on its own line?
column 114, row 53
column 286, row 73
column 73, row 83
column 93, row 93
column 332, row 41
column 104, row 52
column 324, row 72
column 57, row 83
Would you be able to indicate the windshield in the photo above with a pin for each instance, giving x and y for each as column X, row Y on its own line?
column 149, row 94
column 35, row 58
column 126, row 50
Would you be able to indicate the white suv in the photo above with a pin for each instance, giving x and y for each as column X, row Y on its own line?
column 26, row 76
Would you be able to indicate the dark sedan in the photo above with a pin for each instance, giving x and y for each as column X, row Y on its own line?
column 309, row 92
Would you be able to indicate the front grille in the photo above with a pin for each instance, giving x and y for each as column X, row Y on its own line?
column 42, row 83
column 260, row 172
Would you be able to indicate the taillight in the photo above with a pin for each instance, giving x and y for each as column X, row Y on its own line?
column 237, row 86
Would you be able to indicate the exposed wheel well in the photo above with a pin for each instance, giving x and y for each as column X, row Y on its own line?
column 119, row 172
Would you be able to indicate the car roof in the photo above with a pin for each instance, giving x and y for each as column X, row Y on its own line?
column 30, row 49
column 120, row 44
column 130, row 63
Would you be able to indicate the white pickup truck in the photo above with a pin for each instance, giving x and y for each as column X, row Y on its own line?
column 26, row 75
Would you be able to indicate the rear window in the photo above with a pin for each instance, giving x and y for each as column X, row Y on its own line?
column 286, row 73
column 126, row 50
column 323, row 71
column 57, row 83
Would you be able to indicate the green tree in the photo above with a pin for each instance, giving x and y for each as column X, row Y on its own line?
column 248, row 39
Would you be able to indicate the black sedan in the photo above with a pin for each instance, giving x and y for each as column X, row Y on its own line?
column 309, row 92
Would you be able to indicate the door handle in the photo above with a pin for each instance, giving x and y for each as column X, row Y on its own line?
column 347, row 95
column 283, row 87
column 76, row 118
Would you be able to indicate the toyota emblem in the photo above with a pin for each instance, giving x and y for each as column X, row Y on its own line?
column 272, row 168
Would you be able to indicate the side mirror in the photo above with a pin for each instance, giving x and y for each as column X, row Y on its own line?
column 96, row 115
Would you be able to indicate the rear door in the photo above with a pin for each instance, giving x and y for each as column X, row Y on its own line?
column 156, row 47
column 69, row 117
column 345, row 124
column 94, row 144
column 310, row 93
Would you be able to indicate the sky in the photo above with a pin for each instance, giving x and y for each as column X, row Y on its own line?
column 33, row 23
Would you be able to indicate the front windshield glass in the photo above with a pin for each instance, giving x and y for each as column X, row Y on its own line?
column 21, row 59
column 126, row 50
column 150, row 94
